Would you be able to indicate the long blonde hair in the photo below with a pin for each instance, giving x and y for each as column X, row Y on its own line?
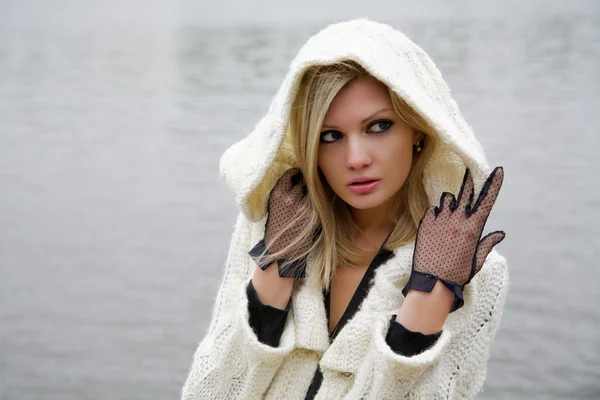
column 333, row 247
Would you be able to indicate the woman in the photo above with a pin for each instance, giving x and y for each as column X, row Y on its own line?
column 353, row 271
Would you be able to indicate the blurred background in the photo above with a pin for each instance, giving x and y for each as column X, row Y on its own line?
column 114, row 224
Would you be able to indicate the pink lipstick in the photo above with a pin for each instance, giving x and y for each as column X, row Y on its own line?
column 364, row 187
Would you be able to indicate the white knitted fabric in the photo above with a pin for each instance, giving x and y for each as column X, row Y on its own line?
column 230, row 362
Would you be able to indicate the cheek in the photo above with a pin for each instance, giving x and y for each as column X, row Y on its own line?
column 400, row 158
column 328, row 163
column 324, row 163
column 406, row 154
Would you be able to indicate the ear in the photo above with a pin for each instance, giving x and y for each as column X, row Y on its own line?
column 418, row 136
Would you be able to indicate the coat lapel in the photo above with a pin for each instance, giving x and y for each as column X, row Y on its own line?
column 352, row 343
column 310, row 319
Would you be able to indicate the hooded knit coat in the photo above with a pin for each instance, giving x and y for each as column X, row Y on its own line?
column 231, row 363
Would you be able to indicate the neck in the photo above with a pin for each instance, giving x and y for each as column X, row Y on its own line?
column 374, row 225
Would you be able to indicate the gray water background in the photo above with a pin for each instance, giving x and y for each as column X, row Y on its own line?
column 114, row 224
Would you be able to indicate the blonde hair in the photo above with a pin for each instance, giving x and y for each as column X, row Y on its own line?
column 333, row 246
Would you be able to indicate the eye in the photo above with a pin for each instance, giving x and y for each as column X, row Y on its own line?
column 333, row 135
column 381, row 126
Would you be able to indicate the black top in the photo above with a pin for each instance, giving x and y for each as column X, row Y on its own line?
column 268, row 322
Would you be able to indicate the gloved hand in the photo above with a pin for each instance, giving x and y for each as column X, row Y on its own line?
column 287, row 201
column 447, row 246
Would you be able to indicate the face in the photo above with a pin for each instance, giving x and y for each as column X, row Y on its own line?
column 362, row 137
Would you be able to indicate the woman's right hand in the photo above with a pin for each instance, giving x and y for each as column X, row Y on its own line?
column 274, row 282
column 285, row 223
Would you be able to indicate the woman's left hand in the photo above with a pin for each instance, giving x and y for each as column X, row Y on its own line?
column 447, row 247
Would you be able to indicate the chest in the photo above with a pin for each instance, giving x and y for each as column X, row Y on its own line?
column 344, row 284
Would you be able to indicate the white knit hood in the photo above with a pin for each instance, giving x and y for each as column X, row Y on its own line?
column 252, row 166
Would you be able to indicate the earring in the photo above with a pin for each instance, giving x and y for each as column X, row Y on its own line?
column 418, row 147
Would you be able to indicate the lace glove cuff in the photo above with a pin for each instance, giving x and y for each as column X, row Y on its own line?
column 296, row 269
column 425, row 283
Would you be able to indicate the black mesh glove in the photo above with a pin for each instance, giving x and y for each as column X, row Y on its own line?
column 286, row 202
column 448, row 246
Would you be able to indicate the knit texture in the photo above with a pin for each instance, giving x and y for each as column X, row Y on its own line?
column 231, row 363
column 252, row 166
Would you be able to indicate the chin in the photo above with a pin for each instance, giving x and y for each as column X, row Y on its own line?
column 365, row 201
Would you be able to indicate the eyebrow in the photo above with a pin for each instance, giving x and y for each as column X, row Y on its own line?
column 364, row 120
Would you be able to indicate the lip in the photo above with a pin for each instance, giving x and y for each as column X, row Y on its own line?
column 364, row 187
column 363, row 179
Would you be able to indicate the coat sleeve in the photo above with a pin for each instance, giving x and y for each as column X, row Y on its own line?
column 267, row 322
column 455, row 366
column 406, row 342
column 230, row 362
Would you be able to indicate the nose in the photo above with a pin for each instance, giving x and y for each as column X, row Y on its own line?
column 357, row 153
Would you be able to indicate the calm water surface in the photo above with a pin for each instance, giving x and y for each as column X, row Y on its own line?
column 114, row 223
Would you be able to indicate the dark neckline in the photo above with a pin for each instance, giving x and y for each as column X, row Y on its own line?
column 359, row 294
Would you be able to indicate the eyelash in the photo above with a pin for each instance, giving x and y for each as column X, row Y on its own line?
column 384, row 121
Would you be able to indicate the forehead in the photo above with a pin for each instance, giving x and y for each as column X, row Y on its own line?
column 360, row 96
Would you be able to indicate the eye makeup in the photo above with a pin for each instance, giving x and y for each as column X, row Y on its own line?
column 385, row 122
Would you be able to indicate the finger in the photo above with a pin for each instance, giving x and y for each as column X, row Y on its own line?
column 429, row 215
column 284, row 183
column 485, row 246
column 298, row 191
column 297, row 181
column 304, row 190
column 465, row 195
column 447, row 200
column 297, row 177
column 297, row 196
column 488, row 194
